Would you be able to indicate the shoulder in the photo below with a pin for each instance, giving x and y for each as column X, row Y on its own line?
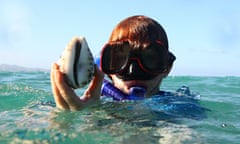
column 183, row 91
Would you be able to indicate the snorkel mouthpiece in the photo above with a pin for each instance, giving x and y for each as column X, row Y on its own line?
column 136, row 92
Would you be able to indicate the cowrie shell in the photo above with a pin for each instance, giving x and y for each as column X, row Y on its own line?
column 77, row 63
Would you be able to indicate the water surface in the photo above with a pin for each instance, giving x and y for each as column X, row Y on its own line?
column 28, row 114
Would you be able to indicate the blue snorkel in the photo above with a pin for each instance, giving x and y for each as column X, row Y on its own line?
column 108, row 89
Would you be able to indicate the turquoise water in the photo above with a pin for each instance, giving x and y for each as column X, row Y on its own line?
column 28, row 114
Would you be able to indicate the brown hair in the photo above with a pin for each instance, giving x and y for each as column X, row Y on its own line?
column 140, row 31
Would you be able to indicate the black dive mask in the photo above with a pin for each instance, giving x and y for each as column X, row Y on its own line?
column 134, row 72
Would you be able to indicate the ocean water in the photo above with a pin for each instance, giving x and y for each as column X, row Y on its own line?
column 28, row 114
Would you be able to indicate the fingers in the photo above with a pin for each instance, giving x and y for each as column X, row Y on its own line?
column 60, row 102
column 66, row 92
column 94, row 88
column 65, row 96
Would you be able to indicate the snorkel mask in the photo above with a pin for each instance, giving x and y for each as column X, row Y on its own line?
column 131, row 63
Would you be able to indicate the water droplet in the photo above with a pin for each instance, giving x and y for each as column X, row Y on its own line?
column 223, row 125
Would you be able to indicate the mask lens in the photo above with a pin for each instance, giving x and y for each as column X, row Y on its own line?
column 114, row 57
column 154, row 58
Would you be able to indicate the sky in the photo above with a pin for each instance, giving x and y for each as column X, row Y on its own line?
column 204, row 35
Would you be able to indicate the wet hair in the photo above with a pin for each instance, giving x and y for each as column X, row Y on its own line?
column 140, row 31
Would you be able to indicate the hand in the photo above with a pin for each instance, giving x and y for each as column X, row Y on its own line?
column 66, row 98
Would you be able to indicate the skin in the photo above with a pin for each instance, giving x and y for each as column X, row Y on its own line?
column 66, row 98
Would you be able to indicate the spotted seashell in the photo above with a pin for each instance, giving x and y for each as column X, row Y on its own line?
column 77, row 63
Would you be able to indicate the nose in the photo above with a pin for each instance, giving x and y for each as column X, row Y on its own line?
column 134, row 68
column 133, row 71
